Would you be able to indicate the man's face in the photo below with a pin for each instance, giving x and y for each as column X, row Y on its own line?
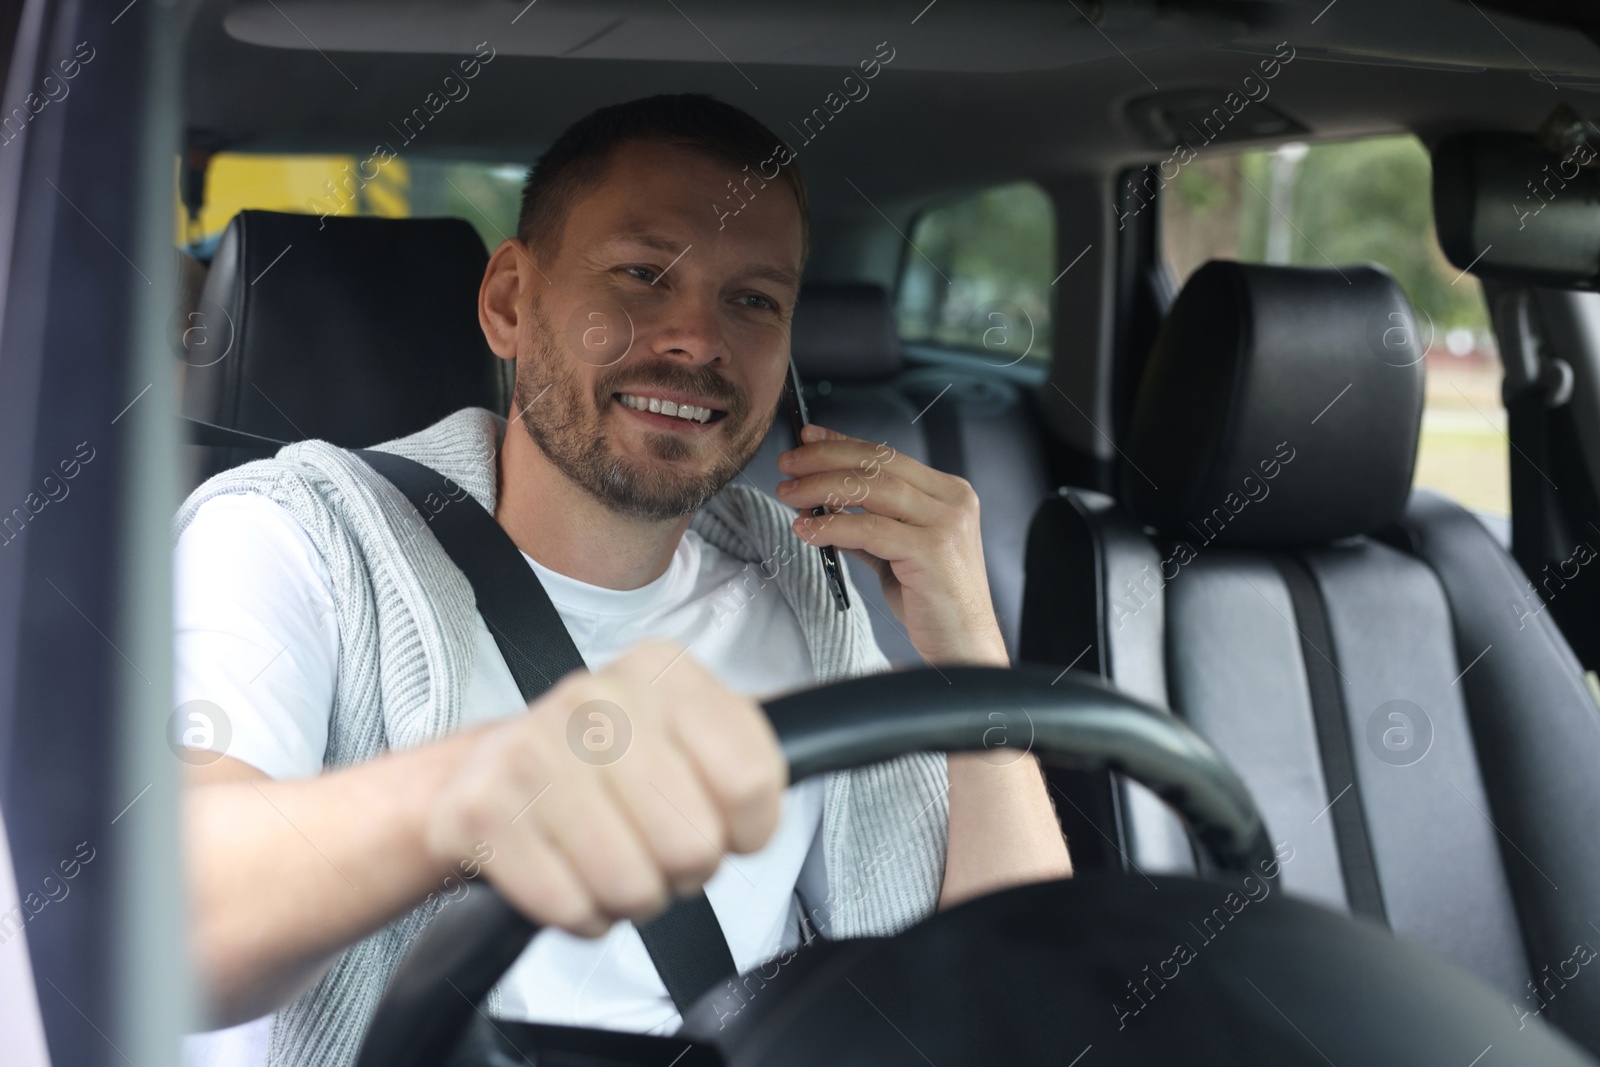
column 652, row 306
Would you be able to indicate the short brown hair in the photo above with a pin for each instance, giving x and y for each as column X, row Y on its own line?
column 578, row 160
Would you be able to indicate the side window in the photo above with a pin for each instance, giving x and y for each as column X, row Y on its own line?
column 1352, row 202
column 977, row 276
column 486, row 195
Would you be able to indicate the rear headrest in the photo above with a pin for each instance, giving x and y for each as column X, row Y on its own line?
column 1280, row 406
column 351, row 330
column 844, row 331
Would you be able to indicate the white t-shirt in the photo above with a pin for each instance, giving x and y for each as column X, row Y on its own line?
column 257, row 635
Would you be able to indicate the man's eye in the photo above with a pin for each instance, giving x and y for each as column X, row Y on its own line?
column 644, row 274
column 762, row 303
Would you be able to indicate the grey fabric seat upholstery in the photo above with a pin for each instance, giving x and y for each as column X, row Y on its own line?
column 1353, row 647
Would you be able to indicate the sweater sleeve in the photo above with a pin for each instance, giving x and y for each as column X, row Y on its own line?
column 256, row 637
column 869, row 657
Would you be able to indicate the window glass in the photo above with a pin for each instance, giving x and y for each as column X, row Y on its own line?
column 486, row 195
column 977, row 275
column 1352, row 202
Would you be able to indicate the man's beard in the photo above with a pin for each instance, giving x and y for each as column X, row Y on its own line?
column 566, row 425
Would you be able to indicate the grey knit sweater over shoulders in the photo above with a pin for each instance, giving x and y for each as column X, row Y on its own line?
column 406, row 651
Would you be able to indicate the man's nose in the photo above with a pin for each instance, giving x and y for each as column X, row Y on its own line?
column 690, row 331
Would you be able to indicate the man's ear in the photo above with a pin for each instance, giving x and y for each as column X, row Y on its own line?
column 504, row 294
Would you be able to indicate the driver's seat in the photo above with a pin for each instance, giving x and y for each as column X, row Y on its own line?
column 1369, row 658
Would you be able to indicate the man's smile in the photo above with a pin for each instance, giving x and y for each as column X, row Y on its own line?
column 669, row 410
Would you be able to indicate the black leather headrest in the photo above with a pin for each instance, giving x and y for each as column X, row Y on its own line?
column 351, row 330
column 1280, row 406
column 844, row 331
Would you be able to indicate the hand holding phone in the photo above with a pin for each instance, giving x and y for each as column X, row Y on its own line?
column 798, row 420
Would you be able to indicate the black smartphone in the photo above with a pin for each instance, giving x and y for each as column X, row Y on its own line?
column 830, row 555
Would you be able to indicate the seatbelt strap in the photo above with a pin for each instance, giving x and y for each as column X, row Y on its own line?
column 1532, row 386
column 524, row 623
column 1333, row 740
column 685, row 942
column 689, row 950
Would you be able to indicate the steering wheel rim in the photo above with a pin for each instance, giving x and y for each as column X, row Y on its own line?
column 1072, row 721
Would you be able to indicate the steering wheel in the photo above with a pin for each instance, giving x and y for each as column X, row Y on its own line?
column 1075, row 722
column 833, row 1000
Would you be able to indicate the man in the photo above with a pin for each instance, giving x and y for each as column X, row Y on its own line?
column 379, row 746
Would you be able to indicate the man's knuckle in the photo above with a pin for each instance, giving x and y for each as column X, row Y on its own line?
column 957, row 532
column 753, row 784
column 570, row 910
column 691, row 857
column 640, row 893
column 581, row 687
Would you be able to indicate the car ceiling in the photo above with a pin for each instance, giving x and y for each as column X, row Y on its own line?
column 978, row 91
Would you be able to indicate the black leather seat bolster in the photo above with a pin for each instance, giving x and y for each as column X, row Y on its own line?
column 1061, row 623
column 1063, row 600
column 1094, row 599
column 1132, row 597
column 1537, row 731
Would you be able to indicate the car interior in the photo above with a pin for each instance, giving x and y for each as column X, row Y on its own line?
column 1308, row 507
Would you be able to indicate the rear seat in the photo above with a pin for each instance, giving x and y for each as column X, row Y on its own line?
column 961, row 421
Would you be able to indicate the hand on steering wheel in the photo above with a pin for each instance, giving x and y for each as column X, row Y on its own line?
column 581, row 838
